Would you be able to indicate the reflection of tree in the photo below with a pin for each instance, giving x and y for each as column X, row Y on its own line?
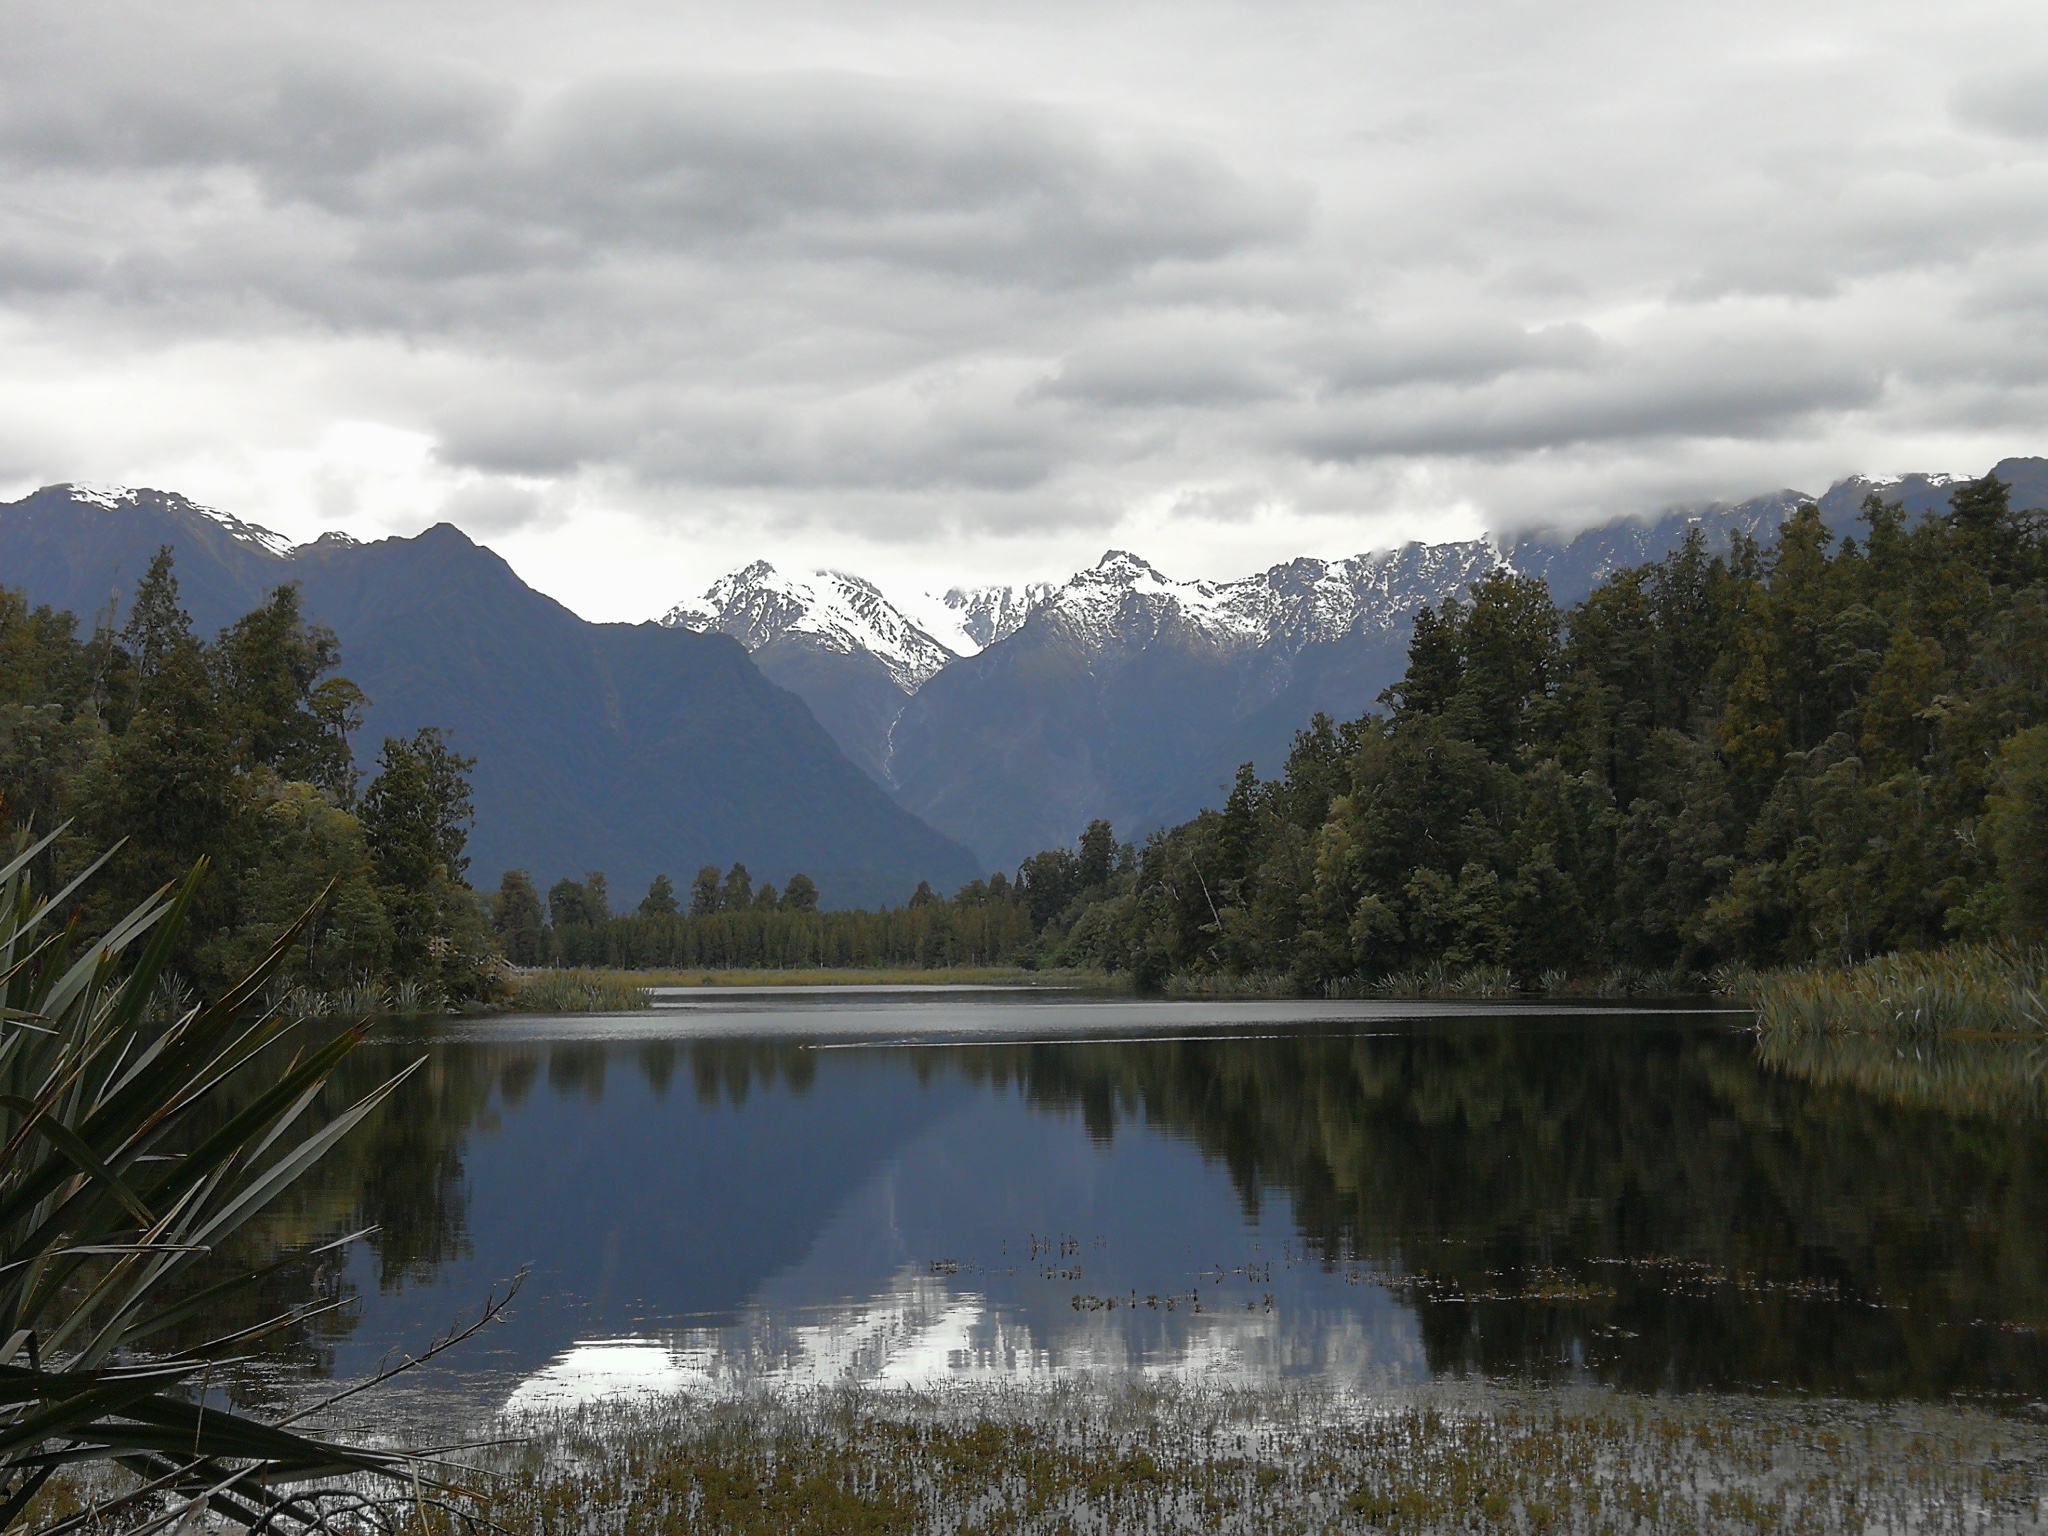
column 728, row 1069
column 1507, row 1168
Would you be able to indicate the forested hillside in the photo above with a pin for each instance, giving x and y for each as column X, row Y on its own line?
column 1829, row 748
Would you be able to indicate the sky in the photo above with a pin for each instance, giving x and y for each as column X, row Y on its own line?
column 957, row 293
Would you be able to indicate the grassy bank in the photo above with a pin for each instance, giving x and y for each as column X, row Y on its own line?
column 1985, row 990
column 1146, row 1460
column 613, row 991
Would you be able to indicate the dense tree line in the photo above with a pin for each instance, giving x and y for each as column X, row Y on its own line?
column 730, row 923
column 157, row 748
column 1823, row 750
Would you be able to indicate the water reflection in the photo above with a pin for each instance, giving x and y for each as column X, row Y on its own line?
column 1634, row 1200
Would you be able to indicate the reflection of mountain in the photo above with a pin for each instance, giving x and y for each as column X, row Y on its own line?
column 1639, row 1200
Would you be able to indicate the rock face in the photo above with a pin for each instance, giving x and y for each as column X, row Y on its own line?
column 631, row 748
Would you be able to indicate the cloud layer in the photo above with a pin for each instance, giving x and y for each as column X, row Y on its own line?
column 970, row 289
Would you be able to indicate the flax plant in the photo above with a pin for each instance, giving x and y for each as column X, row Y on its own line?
column 133, row 1142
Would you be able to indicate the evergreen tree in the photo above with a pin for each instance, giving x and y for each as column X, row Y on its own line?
column 660, row 900
column 738, row 892
column 704, row 892
column 1098, row 856
column 800, row 895
column 518, row 919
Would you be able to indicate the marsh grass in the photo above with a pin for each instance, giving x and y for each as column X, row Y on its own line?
column 1251, row 984
column 1986, row 990
column 1079, row 1459
column 553, row 991
column 848, row 976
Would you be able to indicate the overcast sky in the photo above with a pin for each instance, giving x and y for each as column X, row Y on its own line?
column 947, row 292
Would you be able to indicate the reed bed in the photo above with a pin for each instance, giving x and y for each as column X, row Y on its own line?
column 1155, row 1460
column 1222, row 984
column 1990, row 990
column 577, row 992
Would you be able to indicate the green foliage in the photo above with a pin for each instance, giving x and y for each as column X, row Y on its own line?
column 1819, row 752
column 2016, row 828
column 660, row 900
column 168, row 749
column 517, row 918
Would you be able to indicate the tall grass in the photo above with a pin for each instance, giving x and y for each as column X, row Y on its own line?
column 577, row 992
column 1979, row 990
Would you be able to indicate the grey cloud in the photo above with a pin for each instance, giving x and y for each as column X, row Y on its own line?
column 1446, row 257
column 494, row 507
column 1454, row 351
column 2010, row 102
column 1171, row 367
column 1669, row 392
column 303, row 122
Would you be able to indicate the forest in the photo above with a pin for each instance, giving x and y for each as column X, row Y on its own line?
column 1818, row 751
column 154, row 749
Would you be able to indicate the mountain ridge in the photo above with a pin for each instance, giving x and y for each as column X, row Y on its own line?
column 631, row 748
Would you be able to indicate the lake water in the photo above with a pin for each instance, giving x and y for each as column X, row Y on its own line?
column 753, row 1190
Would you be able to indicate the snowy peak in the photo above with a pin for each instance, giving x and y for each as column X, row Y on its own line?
column 838, row 612
column 121, row 498
column 984, row 615
column 1123, row 600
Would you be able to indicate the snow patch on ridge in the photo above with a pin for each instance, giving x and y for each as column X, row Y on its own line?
column 758, row 604
column 120, row 498
column 1120, row 602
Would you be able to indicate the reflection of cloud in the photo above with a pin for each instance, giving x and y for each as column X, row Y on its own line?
column 921, row 1333
column 604, row 1370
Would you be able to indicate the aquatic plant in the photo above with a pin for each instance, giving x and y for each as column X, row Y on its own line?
column 1439, row 979
column 552, row 991
column 1990, row 989
column 131, row 1149
column 1213, row 983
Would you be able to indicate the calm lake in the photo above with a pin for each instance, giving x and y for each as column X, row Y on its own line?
column 746, row 1189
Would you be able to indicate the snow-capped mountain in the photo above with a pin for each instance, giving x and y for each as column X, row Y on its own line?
column 985, row 615
column 121, row 498
column 758, row 605
column 1123, row 600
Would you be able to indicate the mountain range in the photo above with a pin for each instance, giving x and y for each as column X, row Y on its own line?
column 632, row 748
column 1008, row 717
column 811, row 721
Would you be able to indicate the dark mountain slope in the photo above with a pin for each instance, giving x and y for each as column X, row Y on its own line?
column 851, row 694
column 1019, row 747
column 78, row 549
column 628, row 748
